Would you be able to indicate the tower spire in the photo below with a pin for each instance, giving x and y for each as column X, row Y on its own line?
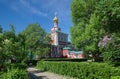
column 55, row 20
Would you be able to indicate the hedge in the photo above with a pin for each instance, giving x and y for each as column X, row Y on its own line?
column 65, row 59
column 80, row 70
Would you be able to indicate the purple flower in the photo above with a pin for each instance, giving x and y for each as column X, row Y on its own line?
column 104, row 41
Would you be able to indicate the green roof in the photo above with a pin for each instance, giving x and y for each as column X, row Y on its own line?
column 76, row 52
column 67, row 48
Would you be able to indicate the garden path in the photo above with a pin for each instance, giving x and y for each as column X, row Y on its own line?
column 37, row 74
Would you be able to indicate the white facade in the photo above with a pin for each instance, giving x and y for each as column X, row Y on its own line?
column 58, row 39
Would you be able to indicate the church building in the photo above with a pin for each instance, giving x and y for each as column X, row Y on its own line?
column 58, row 39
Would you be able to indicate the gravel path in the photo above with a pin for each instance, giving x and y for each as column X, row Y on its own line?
column 37, row 74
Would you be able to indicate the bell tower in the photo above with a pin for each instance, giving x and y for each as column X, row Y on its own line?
column 54, row 34
column 58, row 39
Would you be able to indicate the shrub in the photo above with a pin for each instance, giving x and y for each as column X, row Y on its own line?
column 111, row 49
column 82, row 70
column 16, row 65
column 15, row 74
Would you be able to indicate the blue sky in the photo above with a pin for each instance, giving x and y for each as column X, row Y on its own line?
column 23, row 12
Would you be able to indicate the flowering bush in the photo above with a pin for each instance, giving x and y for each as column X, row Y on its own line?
column 110, row 48
column 105, row 40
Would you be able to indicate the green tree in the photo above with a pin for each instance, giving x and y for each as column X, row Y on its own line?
column 92, row 35
column 35, row 38
column 86, row 24
column 1, row 48
column 12, row 46
column 92, row 21
column 81, row 13
column 9, row 40
column 110, row 50
column 82, row 10
column 22, row 46
column 1, row 30
column 76, row 33
column 109, row 13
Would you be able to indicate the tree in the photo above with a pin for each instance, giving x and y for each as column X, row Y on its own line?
column 110, row 48
column 21, row 39
column 12, row 46
column 81, row 13
column 35, row 38
column 9, row 42
column 76, row 33
column 109, row 13
column 1, row 30
column 1, row 48
column 92, row 21
column 84, row 32
column 82, row 10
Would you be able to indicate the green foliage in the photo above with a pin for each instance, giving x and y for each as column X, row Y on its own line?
column 16, row 66
column 86, row 31
column 15, row 74
column 15, row 71
column 14, row 48
column 36, row 40
column 92, row 21
column 115, row 77
column 87, row 36
column 111, row 52
column 76, row 33
column 33, row 33
column 93, row 32
column 109, row 12
column 83, row 70
column 1, row 30
column 82, row 9
column 21, row 46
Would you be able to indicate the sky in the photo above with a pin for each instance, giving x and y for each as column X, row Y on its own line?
column 20, row 13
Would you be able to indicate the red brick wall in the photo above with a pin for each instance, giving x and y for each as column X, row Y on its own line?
column 65, row 52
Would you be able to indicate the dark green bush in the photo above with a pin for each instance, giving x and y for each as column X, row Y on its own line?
column 15, row 68
column 82, row 70
column 16, row 65
column 15, row 74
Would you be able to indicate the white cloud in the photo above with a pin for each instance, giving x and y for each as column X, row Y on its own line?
column 25, row 6
column 46, row 8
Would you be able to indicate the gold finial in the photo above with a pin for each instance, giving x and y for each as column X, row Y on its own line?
column 55, row 18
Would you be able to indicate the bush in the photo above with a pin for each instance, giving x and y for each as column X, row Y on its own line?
column 13, row 68
column 15, row 74
column 82, row 70
column 111, row 51
column 66, row 59
column 16, row 65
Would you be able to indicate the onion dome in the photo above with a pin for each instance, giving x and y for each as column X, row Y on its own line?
column 55, row 19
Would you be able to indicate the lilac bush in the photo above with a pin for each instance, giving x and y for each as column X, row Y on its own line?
column 109, row 46
column 104, row 41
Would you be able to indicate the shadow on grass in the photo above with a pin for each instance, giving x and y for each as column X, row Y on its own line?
column 33, row 76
